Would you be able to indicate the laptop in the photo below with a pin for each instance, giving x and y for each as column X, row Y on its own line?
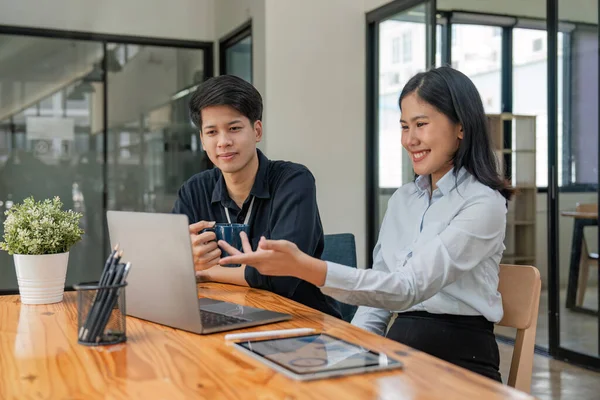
column 161, row 285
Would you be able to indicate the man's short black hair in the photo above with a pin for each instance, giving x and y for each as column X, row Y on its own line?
column 226, row 90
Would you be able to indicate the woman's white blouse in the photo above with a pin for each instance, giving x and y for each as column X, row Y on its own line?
column 439, row 255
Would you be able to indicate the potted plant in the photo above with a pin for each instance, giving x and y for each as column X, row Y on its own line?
column 39, row 235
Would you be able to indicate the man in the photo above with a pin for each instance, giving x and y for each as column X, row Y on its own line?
column 276, row 198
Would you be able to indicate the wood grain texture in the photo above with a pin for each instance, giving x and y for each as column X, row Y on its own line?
column 40, row 358
column 579, row 214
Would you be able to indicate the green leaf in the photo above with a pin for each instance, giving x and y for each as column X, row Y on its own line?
column 40, row 227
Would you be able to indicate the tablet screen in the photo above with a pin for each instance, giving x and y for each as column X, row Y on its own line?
column 316, row 353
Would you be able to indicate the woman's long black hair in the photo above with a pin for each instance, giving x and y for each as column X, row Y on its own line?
column 453, row 94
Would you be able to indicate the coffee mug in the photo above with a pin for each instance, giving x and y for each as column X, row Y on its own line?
column 229, row 233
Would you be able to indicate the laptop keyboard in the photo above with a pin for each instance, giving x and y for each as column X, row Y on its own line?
column 213, row 320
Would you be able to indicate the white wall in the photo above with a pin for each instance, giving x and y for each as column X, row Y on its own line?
column 371, row 5
column 175, row 19
column 315, row 66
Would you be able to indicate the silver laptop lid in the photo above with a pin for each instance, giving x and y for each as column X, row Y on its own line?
column 161, row 286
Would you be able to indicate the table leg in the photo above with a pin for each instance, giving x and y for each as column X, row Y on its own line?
column 578, row 226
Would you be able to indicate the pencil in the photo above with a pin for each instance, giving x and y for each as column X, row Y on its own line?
column 108, row 305
column 107, row 264
column 101, row 296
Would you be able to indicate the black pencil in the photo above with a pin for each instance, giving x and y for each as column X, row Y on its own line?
column 107, row 264
column 117, row 271
column 110, row 302
column 97, row 306
column 101, row 296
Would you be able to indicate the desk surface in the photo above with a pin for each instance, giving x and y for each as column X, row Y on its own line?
column 579, row 214
column 40, row 357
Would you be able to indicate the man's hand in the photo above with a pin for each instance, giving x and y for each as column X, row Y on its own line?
column 205, row 250
column 277, row 258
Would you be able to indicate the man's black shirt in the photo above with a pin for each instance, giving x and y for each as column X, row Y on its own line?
column 285, row 207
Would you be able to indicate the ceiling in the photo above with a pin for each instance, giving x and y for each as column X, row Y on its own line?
column 32, row 68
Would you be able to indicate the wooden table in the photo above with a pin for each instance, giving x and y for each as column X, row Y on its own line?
column 40, row 358
column 581, row 220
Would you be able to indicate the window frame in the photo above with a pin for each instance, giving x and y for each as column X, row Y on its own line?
column 231, row 39
column 102, row 39
column 447, row 20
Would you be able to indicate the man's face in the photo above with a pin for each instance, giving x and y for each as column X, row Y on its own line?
column 229, row 138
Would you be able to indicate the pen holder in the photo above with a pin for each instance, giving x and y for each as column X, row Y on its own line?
column 100, row 314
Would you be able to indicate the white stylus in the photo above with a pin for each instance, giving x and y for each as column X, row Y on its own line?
column 252, row 335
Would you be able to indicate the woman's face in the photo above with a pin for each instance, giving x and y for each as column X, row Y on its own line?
column 429, row 136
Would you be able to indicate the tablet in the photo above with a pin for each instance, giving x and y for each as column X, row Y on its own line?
column 316, row 356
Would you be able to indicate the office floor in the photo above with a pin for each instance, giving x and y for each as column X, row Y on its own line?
column 554, row 379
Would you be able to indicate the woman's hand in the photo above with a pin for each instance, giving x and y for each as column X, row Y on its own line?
column 276, row 258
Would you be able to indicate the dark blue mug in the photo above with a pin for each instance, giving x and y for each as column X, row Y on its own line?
column 229, row 233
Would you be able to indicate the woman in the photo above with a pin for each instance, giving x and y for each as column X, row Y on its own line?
column 440, row 244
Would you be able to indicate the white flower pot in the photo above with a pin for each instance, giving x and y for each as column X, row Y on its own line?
column 41, row 278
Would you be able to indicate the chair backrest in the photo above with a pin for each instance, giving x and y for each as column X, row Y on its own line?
column 520, row 287
column 340, row 248
column 587, row 207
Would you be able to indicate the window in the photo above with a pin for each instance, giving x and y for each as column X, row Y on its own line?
column 438, row 45
column 395, row 50
column 476, row 55
column 454, row 35
column 396, row 34
column 477, row 52
column 121, row 53
column 236, row 53
column 407, row 47
column 132, row 50
column 530, row 93
column 579, row 151
column 55, row 128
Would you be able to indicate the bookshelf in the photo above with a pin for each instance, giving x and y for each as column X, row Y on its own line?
column 520, row 238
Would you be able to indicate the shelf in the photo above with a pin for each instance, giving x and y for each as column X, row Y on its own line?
column 520, row 238
column 519, row 258
column 524, row 262
column 508, row 151
column 505, row 116
column 519, row 187
column 523, row 168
